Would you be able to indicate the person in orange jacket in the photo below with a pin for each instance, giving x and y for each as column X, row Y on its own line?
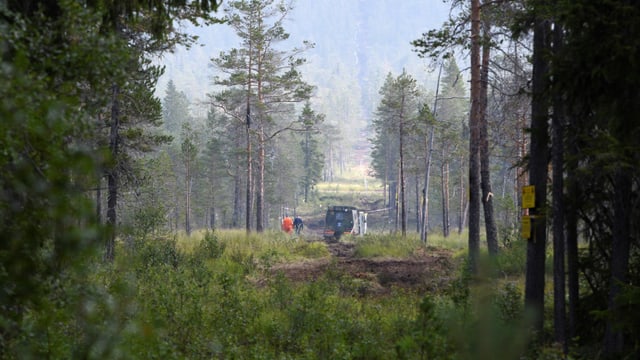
column 287, row 225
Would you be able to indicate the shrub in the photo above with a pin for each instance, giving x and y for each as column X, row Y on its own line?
column 426, row 338
column 210, row 246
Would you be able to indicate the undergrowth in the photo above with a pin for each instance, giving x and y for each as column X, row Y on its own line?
column 197, row 298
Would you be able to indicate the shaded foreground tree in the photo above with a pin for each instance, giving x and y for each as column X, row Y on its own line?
column 143, row 29
column 538, row 164
column 54, row 85
column 594, row 88
column 603, row 96
column 474, row 139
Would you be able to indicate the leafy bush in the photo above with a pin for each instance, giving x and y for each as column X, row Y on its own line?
column 509, row 303
column 210, row 246
column 158, row 252
column 511, row 260
column 426, row 338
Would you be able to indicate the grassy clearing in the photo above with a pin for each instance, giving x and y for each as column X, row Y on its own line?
column 354, row 185
column 208, row 296
column 392, row 245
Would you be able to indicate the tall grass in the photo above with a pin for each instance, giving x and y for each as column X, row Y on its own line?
column 196, row 298
column 379, row 244
column 269, row 246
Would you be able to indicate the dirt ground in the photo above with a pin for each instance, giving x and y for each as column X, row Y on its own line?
column 425, row 270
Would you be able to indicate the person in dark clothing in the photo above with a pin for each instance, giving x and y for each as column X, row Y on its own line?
column 298, row 224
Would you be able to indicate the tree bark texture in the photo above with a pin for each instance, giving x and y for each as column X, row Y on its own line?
column 403, row 200
column 249, row 198
column 463, row 205
column 539, row 155
column 474, row 155
column 260, row 184
column 444, row 170
column 187, row 212
column 619, row 266
column 427, row 180
column 427, row 177
column 417, row 208
column 557, row 159
column 112, row 175
column 99, row 201
column 485, row 164
column 573, row 284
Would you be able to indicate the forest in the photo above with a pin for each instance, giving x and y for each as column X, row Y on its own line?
column 140, row 221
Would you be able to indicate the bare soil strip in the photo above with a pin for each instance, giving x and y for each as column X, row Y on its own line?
column 423, row 271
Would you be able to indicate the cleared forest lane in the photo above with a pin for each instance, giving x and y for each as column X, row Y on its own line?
column 423, row 271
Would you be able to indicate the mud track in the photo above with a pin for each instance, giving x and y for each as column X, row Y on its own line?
column 424, row 271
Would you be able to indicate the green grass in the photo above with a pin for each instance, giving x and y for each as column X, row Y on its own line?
column 377, row 244
column 208, row 296
column 350, row 185
column 386, row 245
column 270, row 246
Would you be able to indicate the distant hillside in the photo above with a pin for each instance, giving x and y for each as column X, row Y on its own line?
column 357, row 42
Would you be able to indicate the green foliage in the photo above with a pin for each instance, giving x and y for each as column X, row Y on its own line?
column 459, row 289
column 158, row 252
column 211, row 247
column 509, row 303
column 47, row 227
column 427, row 337
column 386, row 245
column 175, row 109
column 511, row 260
column 312, row 158
column 311, row 250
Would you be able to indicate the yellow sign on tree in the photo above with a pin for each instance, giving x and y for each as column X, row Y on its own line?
column 526, row 227
column 528, row 197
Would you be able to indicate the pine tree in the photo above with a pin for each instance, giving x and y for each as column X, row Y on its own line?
column 313, row 158
column 269, row 80
column 397, row 112
column 175, row 109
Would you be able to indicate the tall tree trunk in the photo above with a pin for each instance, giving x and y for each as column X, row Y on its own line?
column 331, row 161
column 260, row 184
column 485, row 164
column 393, row 204
column 249, row 202
column 249, row 194
column 572, row 245
column 403, row 201
column 176, row 207
column 187, row 212
column 474, row 128
column 557, row 159
column 307, row 164
column 425, row 191
column 427, row 176
column 444, row 170
column 463, row 205
column 539, row 155
column 620, row 247
column 418, row 211
column 99, row 201
column 237, row 191
column 112, row 175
